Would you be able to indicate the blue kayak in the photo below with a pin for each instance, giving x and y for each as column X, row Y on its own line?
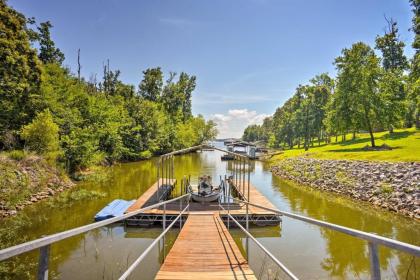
column 114, row 209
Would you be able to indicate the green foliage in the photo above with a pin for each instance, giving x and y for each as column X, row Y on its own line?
column 90, row 122
column 357, row 82
column 48, row 53
column 392, row 49
column 41, row 135
column 68, row 198
column 150, row 87
column 20, row 71
column 301, row 118
column 17, row 154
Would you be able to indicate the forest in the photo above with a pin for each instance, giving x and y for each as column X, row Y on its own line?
column 376, row 88
column 78, row 122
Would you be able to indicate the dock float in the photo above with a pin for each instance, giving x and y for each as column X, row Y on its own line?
column 204, row 250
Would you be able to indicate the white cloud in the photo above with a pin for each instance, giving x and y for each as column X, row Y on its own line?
column 235, row 121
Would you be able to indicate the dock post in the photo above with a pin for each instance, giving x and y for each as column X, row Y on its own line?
column 243, row 179
column 44, row 255
column 180, row 210
column 249, row 179
column 247, row 229
column 375, row 269
column 166, row 171
column 164, row 227
column 158, row 179
column 228, row 221
column 162, row 174
column 172, row 169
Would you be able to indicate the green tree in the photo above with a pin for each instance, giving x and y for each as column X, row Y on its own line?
column 357, row 82
column 150, row 87
column 414, row 77
column 20, row 71
column 392, row 48
column 391, row 86
column 41, row 135
column 48, row 52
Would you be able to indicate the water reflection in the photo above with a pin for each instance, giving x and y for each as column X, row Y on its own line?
column 309, row 251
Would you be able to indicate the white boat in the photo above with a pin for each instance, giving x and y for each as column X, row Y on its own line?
column 205, row 191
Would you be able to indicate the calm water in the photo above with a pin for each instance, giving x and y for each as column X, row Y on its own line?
column 309, row 251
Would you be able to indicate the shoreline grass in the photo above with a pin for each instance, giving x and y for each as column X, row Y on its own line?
column 405, row 144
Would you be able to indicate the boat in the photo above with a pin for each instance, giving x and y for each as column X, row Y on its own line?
column 205, row 190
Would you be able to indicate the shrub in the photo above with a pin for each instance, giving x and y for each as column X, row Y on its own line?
column 41, row 135
column 17, row 154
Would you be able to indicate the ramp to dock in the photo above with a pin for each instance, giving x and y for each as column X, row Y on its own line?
column 203, row 250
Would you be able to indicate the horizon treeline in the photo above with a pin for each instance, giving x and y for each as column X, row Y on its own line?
column 370, row 93
column 77, row 122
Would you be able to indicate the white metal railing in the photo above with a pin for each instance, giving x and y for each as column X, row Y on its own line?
column 270, row 255
column 373, row 239
column 150, row 247
column 44, row 243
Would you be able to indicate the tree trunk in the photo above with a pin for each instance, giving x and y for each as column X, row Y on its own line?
column 372, row 138
column 336, row 137
column 354, row 135
column 391, row 129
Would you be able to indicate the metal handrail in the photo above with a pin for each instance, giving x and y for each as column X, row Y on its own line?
column 275, row 260
column 183, row 151
column 149, row 248
column 50, row 239
column 372, row 239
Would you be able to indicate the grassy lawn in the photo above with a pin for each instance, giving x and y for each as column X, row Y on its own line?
column 405, row 146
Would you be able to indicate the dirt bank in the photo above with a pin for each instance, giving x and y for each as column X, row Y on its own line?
column 27, row 181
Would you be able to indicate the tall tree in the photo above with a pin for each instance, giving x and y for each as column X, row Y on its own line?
column 391, row 84
column 48, row 52
column 358, row 74
column 186, row 85
column 150, row 87
column 414, row 85
column 20, row 70
column 392, row 48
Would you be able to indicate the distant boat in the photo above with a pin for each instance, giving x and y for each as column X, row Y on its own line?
column 205, row 191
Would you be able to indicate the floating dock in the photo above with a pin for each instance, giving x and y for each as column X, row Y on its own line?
column 204, row 250
column 256, row 216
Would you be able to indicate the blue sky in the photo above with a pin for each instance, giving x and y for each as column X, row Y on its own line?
column 248, row 55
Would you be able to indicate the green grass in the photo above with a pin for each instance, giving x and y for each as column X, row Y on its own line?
column 405, row 144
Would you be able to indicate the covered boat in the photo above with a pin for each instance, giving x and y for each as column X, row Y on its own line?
column 205, row 191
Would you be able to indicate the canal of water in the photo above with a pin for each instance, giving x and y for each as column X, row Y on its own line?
column 309, row 251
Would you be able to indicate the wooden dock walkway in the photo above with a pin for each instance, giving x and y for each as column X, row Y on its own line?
column 149, row 197
column 254, row 197
column 204, row 250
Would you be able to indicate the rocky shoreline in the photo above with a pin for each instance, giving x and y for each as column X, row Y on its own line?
column 25, row 182
column 392, row 186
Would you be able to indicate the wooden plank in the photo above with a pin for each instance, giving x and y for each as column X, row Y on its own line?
column 148, row 195
column 205, row 249
column 254, row 197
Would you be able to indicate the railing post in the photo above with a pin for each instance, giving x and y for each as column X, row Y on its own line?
column 375, row 268
column 44, row 255
column 228, row 221
column 164, row 227
column 249, row 178
column 180, row 210
column 247, row 229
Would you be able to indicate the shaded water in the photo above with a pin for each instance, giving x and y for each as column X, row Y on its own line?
column 309, row 251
